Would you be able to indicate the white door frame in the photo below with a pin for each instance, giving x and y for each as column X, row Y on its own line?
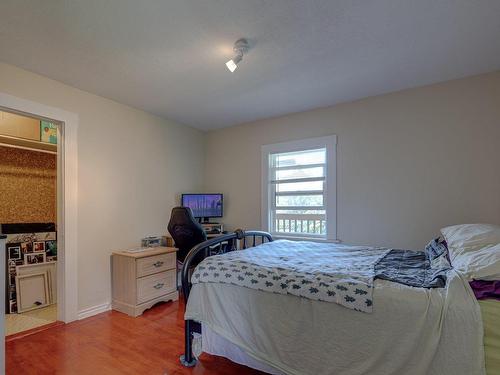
column 67, row 200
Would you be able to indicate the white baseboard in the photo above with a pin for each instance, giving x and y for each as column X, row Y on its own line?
column 94, row 310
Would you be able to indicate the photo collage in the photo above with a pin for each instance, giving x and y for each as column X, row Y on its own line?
column 27, row 249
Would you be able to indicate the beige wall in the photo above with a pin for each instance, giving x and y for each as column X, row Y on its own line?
column 409, row 163
column 132, row 166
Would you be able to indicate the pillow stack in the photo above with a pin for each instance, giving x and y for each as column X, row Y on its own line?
column 474, row 250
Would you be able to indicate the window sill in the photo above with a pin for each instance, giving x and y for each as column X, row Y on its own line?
column 300, row 238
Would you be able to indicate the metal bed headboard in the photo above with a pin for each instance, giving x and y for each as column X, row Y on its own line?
column 218, row 245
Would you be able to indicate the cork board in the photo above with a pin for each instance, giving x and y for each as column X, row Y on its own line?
column 28, row 188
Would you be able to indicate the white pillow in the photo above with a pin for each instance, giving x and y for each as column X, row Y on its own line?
column 469, row 237
column 481, row 264
column 474, row 250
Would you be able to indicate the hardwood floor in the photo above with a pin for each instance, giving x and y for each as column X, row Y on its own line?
column 114, row 343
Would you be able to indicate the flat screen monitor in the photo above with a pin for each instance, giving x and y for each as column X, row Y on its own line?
column 204, row 205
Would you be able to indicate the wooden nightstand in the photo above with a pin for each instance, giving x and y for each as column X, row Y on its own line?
column 142, row 279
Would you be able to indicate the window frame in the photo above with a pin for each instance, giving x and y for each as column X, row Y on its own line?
column 330, row 188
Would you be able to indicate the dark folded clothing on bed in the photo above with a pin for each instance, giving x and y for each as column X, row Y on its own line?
column 484, row 289
column 422, row 269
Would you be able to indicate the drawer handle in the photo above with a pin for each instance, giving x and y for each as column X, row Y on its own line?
column 159, row 285
column 158, row 264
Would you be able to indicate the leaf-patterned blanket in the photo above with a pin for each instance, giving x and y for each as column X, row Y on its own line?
column 318, row 271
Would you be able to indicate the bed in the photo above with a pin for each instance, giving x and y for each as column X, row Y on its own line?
column 404, row 329
column 490, row 311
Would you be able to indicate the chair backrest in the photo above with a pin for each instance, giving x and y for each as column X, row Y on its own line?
column 185, row 231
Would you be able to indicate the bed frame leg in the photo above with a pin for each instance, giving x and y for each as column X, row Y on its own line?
column 187, row 359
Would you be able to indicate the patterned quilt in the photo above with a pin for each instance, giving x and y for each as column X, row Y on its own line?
column 317, row 271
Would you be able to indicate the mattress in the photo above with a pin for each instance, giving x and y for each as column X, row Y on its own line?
column 411, row 330
column 215, row 344
column 490, row 311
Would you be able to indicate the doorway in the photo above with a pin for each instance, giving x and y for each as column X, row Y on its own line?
column 67, row 199
column 28, row 216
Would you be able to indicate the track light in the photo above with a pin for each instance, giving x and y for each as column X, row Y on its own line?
column 233, row 63
column 240, row 48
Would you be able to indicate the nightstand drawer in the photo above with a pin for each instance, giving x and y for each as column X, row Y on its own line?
column 156, row 285
column 154, row 264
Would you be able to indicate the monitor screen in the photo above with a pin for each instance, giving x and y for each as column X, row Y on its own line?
column 203, row 205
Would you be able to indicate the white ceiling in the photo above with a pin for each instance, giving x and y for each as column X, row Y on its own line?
column 167, row 57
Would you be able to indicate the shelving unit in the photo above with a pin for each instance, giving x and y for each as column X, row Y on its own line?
column 27, row 144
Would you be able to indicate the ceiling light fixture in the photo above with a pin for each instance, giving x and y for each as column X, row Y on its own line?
column 240, row 48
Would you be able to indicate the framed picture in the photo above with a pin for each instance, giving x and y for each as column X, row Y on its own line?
column 48, row 132
column 51, row 248
column 38, row 246
column 32, row 291
column 50, row 268
column 35, row 258
column 15, row 252
column 20, row 237
column 12, row 291
column 11, row 245
column 12, row 306
column 44, row 236
column 26, row 247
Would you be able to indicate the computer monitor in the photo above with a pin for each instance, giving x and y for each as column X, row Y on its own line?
column 204, row 206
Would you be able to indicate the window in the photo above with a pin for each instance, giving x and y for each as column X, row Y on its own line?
column 299, row 188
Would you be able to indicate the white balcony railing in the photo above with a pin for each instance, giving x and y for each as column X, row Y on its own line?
column 301, row 224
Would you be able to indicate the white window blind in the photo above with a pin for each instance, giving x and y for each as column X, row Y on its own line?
column 297, row 192
column 297, row 195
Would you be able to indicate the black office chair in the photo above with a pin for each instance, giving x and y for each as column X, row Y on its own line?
column 185, row 231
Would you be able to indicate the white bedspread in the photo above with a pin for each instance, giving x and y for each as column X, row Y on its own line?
column 319, row 271
column 412, row 331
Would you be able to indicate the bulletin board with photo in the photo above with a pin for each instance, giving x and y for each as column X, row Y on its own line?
column 27, row 244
